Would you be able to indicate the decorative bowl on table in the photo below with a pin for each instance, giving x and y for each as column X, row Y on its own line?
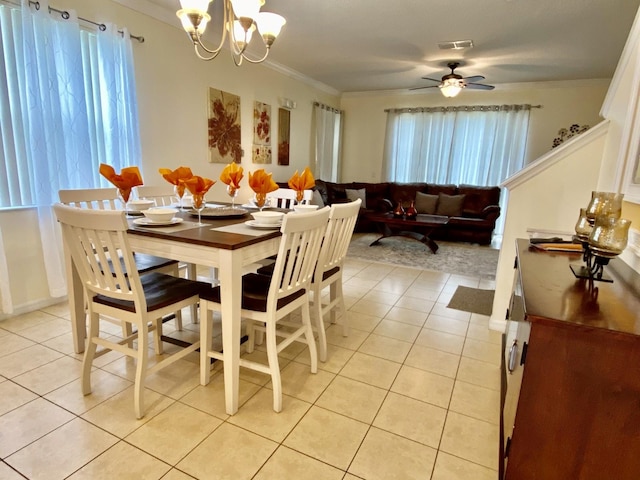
column 160, row 214
column 140, row 205
column 267, row 217
column 305, row 208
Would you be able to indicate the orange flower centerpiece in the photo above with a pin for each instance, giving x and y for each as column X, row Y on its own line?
column 198, row 187
column 174, row 177
column 128, row 178
column 262, row 183
column 231, row 176
column 300, row 183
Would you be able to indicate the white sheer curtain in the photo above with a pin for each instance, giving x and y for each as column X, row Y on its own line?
column 67, row 103
column 328, row 137
column 481, row 145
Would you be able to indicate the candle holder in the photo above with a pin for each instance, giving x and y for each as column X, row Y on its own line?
column 602, row 233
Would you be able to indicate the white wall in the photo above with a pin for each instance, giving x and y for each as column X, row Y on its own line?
column 172, row 86
column 564, row 103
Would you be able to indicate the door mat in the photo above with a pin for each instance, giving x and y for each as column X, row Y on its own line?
column 474, row 300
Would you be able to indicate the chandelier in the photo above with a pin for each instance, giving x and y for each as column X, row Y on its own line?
column 241, row 18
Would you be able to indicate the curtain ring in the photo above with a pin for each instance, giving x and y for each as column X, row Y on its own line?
column 65, row 15
column 102, row 27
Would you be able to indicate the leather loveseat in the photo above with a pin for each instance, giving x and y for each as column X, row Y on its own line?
column 472, row 210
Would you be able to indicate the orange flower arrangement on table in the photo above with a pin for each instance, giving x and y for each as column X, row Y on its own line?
column 262, row 183
column 198, row 186
column 174, row 177
column 128, row 178
column 231, row 176
column 300, row 183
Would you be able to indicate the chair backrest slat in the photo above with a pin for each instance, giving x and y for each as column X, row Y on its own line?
column 302, row 235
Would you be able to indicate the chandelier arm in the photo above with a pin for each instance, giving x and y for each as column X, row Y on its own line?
column 266, row 54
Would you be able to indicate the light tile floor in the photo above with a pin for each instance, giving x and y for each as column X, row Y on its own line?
column 411, row 393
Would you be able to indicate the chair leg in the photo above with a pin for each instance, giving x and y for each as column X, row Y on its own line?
column 251, row 336
column 343, row 308
column 141, row 369
column 322, row 335
column 274, row 366
column 308, row 334
column 90, row 352
column 206, row 343
column 157, row 337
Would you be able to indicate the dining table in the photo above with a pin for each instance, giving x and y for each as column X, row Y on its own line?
column 229, row 242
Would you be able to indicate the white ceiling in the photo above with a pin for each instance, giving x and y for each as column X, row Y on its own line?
column 365, row 45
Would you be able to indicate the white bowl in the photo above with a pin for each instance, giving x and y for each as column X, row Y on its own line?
column 305, row 208
column 268, row 217
column 140, row 205
column 160, row 214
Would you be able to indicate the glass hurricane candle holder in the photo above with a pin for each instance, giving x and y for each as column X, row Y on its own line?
column 609, row 236
column 604, row 203
column 583, row 227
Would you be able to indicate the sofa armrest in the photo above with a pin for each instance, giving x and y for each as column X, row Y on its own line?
column 490, row 212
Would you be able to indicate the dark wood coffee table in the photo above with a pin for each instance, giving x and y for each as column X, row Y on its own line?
column 419, row 228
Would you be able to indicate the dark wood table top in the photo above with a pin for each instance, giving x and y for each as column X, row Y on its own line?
column 205, row 235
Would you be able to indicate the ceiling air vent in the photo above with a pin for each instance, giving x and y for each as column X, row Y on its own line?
column 455, row 45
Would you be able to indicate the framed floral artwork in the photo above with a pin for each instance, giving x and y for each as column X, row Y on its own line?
column 261, row 154
column 224, row 127
column 261, row 124
column 284, row 125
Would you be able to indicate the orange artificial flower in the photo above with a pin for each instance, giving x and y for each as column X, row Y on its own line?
column 231, row 175
column 261, row 182
column 174, row 177
column 303, row 182
column 128, row 178
column 197, row 185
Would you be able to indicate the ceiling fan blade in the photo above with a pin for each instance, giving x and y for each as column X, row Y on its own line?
column 479, row 86
column 475, row 78
column 430, row 86
column 432, row 79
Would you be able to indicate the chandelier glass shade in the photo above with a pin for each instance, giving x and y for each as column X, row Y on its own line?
column 451, row 87
column 241, row 19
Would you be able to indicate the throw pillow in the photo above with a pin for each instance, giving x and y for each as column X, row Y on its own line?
column 449, row 205
column 426, row 203
column 316, row 199
column 361, row 194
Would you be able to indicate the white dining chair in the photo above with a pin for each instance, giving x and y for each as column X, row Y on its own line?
column 122, row 293
column 328, row 272
column 267, row 300
column 163, row 195
column 107, row 199
column 286, row 198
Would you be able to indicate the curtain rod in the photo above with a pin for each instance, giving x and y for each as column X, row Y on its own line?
column 463, row 108
column 65, row 15
column 327, row 107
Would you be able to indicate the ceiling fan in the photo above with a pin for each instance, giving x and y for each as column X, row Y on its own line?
column 451, row 84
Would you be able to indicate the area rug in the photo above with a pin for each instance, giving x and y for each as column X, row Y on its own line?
column 452, row 257
column 474, row 300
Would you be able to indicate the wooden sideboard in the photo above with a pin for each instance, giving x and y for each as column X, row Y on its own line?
column 571, row 403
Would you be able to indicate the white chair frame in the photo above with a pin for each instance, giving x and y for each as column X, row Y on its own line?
column 286, row 198
column 82, row 231
column 297, row 257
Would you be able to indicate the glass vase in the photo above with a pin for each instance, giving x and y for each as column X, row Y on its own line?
column 399, row 211
column 411, row 213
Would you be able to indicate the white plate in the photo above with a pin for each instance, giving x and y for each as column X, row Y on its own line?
column 264, row 226
column 255, row 207
column 145, row 222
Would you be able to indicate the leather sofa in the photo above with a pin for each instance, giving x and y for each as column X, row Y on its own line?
column 472, row 210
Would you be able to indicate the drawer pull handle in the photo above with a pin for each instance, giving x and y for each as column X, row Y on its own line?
column 513, row 355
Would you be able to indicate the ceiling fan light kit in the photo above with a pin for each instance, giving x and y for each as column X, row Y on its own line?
column 241, row 19
column 452, row 84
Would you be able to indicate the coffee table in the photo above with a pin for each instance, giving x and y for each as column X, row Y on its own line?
column 419, row 228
